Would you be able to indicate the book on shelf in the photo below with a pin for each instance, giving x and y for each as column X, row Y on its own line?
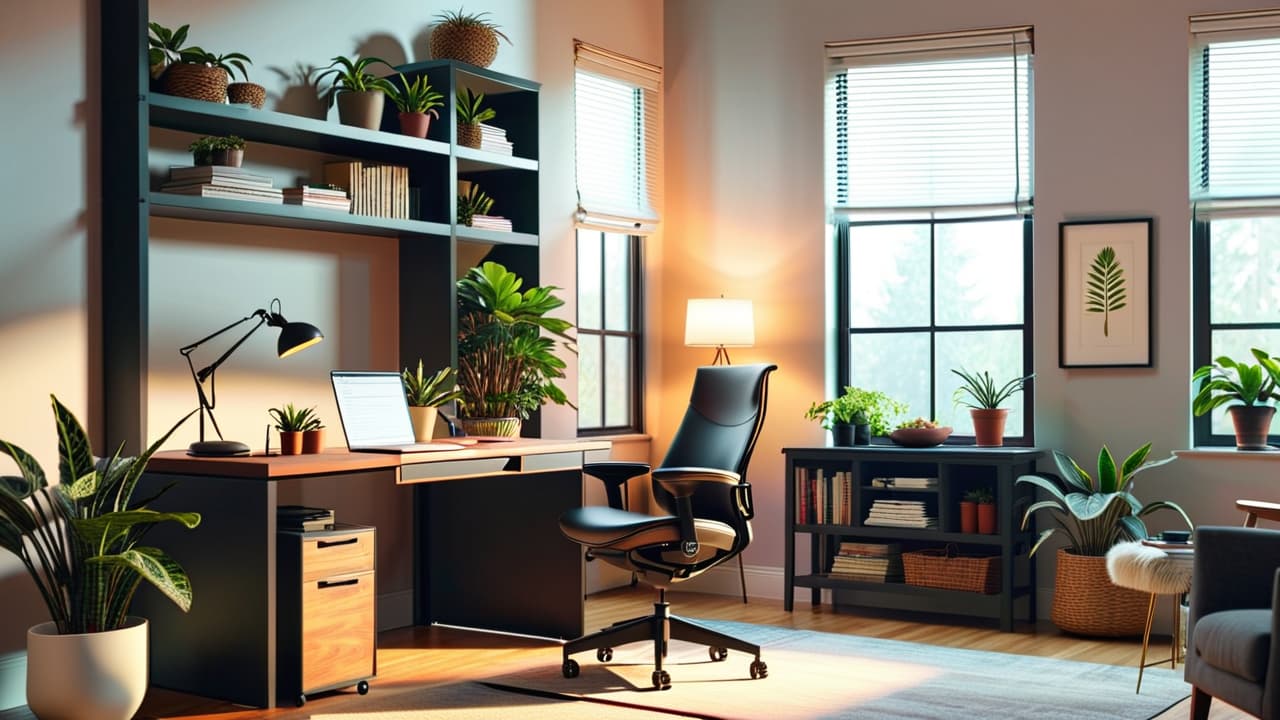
column 374, row 188
column 904, row 482
column 491, row 222
column 265, row 195
column 494, row 140
column 823, row 496
column 306, row 519
column 206, row 173
column 317, row 197
column 866, row 549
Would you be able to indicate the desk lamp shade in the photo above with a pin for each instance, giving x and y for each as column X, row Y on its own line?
column 719, row 323
column 294, row 336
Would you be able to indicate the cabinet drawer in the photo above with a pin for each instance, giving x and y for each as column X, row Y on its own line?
column 337, row 554
column 337, row 630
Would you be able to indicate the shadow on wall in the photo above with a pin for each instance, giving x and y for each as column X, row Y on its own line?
column 23, row 607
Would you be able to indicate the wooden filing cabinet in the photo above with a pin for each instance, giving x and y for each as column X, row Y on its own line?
column 326, row 624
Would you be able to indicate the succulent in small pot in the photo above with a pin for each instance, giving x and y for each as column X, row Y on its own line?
column 469, row 37
column 470, row 115
column 358, row 93
column 292, row 422
column 425, row 395
column 417, row 102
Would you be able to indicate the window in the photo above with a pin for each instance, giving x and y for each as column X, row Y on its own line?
column 1235, row 192
column 929, row 177
column 616, row 111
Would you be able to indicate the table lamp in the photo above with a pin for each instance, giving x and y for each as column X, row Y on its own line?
column 294, row 336
column 720, row 323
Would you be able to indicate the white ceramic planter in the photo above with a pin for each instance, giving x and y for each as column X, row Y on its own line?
column 90, row 676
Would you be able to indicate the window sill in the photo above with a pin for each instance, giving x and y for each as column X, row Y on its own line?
column 1229, row 453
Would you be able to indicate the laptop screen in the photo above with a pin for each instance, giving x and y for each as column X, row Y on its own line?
column 373, row 408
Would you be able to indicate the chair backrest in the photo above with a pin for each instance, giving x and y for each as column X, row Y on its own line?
column 719, row 430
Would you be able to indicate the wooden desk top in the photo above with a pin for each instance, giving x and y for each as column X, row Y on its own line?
column 339, row 460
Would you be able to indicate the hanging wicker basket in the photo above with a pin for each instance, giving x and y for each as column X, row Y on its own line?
column 1086, row 602
column 198, row 82
column 470, row 44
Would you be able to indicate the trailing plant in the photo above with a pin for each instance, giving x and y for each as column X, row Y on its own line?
column 79, row 539
column 1096, row 513
column 229, row 63
column 347, row 75
column 1228, row 381
column 416, row 96
column 461, row 19
column 1105, row 292
column 982, row 390
column 291, row 419
column 981, row 496
column 506, row 366
column 857, row 406
column 473, row 202
column 469, row 110
column 434, row 391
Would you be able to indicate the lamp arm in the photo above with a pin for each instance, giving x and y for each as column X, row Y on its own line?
column 262, row 316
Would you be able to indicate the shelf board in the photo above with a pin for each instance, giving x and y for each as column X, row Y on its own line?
column 897, row 533
column 495, row 237
column 473, row 160
column 871, row 488
column 990, row 602
column 288, row 216
column 277, row 128
column 480, row 79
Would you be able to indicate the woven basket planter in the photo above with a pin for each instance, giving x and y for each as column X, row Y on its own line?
column 492, row 427
column 475, row 45
column 198, row 82
column 469, row 135
column 247, row 93
column 1086, row 602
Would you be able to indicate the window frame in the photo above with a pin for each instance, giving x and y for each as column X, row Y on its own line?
column 635, row 314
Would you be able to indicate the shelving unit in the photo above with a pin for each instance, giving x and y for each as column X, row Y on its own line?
column 428, row 243
column 958, row 470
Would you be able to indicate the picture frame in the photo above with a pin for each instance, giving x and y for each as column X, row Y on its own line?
column 1104, row 283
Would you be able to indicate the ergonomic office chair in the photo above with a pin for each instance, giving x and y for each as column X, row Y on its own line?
column 701, row 487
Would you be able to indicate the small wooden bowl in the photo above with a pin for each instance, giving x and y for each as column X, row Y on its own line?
column 920, row 437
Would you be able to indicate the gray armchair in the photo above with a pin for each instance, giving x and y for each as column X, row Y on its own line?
column 1230, row 652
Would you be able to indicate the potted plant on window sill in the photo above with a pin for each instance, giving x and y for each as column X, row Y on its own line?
column 80, row 542
column 358, row 93
column 1250, row 387
column 984, row 404
column 425, row 396
column 856, row 415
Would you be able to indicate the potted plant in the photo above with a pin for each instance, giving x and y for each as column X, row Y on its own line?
column 292, row 422
column 425, row 396
column 469, row 37
column 79, row 541
column 202, row 75
column 984, row 404
column 245, row 92
column 417, row 103
column 471, row 202
column 470, row 115
column 1249, row 387
column 213, row 150
column 164, row 47
column 507, row 368
column 856, row 415
column 1095, row 513
column 358, row 92
column 972, row 512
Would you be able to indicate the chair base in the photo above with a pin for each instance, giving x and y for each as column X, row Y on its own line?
column 660, row 628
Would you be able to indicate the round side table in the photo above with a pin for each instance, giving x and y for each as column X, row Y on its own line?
column 1155, row 568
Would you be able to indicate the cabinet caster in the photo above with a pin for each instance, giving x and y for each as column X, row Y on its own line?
column 604, row 654
column 570, row 668
column 301, row 700
column 717, row 653
column 362, row 687
column 759, row 670
column 661, row 680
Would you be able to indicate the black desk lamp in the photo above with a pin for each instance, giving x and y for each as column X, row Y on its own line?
column 294, row 336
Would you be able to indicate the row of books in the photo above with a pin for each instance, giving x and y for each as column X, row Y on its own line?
column 494, row 140
column 911, row 483
column 868, row 562
column 823, row 496
column 374, row 188
column 901, row 513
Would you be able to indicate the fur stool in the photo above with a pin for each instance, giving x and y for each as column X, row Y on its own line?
column 1151, row 570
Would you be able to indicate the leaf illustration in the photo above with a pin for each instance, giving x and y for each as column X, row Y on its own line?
column 1105, row 292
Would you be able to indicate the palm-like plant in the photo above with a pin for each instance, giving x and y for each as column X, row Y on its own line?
column 469, row 110
column 292, row 419
column 1096, row 513
column 506, row 366
column 416, row 97
column 80, row 539
column 1227, row 381
column 472, row 202
column 433, row 391
column 347, row 75
column 982, row 390
column 228, row 62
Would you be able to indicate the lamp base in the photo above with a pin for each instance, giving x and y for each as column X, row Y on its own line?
column 217, row 448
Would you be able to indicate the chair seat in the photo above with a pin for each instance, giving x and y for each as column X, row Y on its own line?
column 1151, row 570
column 599, row 527
column 1235, row 641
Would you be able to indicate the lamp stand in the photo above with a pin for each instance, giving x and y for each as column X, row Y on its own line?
column 217, row 448
column 722, row 353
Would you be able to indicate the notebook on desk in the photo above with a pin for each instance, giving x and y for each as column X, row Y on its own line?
column 375, row 413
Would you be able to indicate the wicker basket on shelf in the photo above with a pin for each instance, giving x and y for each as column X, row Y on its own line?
column 195, row 81
column 473, row 44
column 947, row 569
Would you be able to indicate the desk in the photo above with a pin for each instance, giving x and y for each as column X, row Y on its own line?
column 488, row 552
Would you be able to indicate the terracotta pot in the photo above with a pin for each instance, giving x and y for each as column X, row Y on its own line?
column 361, row 109
column 415, row 124
column 986, row 513
column 87, row 676
column 499, row 427
column 469, row 135
column 988, row 426
column 1252, row 424
column 424, row 422
column 230, row 158
column 313, row 442
column 1086, row 602
column 290, row 442
column 968, row 517
column 247, row 93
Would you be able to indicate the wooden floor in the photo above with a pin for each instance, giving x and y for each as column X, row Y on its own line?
column 415, row 657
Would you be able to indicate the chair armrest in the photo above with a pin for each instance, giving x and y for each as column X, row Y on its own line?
column 1234, row 569
column 1271, row 688
column 615, row 474
column 682, row 481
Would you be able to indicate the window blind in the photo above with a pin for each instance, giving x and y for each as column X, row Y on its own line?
column 931, row 126
column 617, row 143
column 1235, row 113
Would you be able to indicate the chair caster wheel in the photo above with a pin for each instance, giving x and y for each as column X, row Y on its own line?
column 301, row 700
column 570, row 668
column 759, row 670
column 717, row 653
column 661, row 680
column 604, row 654
column 362, row 687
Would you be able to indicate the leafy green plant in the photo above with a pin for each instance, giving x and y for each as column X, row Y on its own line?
column 1228, row 381
column 473, row 202
column 229, row 62
column 291, row 419
column 202, row 148
column 79, row 539
column 469, row 110
column 229, row 142
column 347, row 75
column 857, row 406
column 164, row 46
column 1096, row 513
column 982, row 390
column 461, row 19
column 416, row 96
column 981, row 495
column 1105, row 291
column 434, row 391
column 506, row 366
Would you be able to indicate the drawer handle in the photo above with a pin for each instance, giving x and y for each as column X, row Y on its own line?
column 322, row 544
column 337, row 583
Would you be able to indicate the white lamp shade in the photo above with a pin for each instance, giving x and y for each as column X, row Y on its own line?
column 715, row 322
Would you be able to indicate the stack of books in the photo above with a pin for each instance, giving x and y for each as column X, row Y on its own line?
column 221, row 181
column 823, row 496
column 868, row 562
column 494, row 140
column 302, row 518
column 900, row 513
column 913, row 483
column 320, row 196
column 491, row 222
column 374, row 189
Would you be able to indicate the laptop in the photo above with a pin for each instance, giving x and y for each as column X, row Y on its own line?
column 375, row 414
